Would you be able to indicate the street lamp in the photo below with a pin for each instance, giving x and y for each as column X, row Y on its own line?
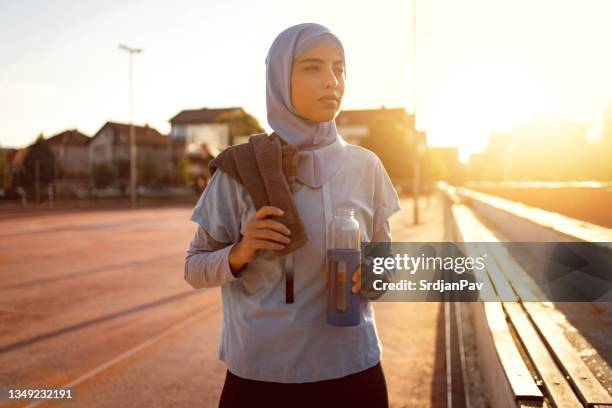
column 415, row 158
column 131, row 52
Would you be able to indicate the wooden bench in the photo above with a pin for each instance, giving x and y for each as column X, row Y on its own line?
column 516, row 339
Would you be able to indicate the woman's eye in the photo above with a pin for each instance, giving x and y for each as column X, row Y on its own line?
column 312, row 68
column 340, row 71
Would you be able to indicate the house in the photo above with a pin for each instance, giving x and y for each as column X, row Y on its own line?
column 196, row 132
column 12, row 171
column 355, row 125
column 9, row 156
column 198, row 166
column 72, row 154
column 111, row 146
column 15, row 163
column 194, row 127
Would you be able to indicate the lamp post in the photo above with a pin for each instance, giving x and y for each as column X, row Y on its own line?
column 415, row 145
column 416, row 175
column 131, row 52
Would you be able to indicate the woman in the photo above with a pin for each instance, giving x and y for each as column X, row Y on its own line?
column 278, row 353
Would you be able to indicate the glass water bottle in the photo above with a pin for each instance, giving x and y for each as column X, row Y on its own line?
column 344, row 256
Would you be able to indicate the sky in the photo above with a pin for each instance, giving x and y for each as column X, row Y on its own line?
column 482, row 66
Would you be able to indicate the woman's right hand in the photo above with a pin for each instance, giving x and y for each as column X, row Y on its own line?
column 259, row 233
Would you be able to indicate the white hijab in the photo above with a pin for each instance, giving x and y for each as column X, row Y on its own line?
column 321, row 149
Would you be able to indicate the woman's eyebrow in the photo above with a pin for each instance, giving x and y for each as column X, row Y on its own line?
column 311, row 60
column 320, row 61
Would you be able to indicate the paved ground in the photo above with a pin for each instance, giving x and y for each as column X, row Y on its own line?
column 97, row 299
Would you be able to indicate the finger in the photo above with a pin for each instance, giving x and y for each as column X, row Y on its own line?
column 264, row 244
column 268, row 210
column 357, row 280
column 357, row 274
column 271, row 235
column 273, row 225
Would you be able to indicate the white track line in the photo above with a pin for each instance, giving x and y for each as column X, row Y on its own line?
column 129, row 353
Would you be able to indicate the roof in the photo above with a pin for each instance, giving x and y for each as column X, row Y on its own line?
column 367, row 116
column 144, row 134
column 9, row 154
column 203, row 115
column 72, row 137
column 16, row 157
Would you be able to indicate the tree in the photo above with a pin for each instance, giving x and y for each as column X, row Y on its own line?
column 387, row 138
column 436, row 168
column 41, row 155
column 241, row 125
column 5, row 174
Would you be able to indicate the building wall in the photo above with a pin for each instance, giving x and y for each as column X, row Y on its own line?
column 113, row 149
column 354, row 133
column 101, row 148
column 241, row 139
column 159, row 154
column 73, row 159
column 215, row 134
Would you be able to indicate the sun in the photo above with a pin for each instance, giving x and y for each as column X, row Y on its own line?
column 480, row 97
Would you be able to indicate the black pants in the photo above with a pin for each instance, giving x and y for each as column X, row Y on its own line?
column 363, row 389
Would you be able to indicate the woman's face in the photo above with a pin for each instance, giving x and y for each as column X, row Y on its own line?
column 317, row 83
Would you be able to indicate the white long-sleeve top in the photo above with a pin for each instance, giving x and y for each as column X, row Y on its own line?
column 263, row 338
column 207, row 261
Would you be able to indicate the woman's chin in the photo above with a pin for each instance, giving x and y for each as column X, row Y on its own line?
column 324, row 115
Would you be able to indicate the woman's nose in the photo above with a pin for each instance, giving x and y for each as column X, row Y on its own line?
column 331, row 81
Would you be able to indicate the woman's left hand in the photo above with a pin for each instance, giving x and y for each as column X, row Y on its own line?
column 357, row 280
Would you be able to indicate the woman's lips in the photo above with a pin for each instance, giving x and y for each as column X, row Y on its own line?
column 329, row 102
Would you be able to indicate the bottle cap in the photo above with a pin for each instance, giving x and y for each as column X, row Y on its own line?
column 344, row 212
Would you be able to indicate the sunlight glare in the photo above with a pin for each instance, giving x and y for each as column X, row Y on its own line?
column 481, row 97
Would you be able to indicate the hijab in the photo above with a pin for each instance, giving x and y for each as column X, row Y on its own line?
column 321, row 150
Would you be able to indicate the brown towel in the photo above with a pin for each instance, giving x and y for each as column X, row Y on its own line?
column 267, row 166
